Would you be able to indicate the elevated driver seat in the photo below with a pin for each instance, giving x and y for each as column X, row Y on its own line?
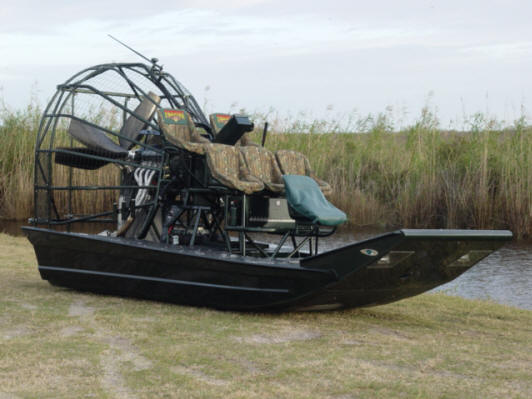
column 218, row 121
column 178, row 128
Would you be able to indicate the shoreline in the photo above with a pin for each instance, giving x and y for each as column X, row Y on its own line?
column 12, row 227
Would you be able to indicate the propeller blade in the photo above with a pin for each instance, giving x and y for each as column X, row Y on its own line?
column 133, row 126
column 93, row 137
column 81, row 162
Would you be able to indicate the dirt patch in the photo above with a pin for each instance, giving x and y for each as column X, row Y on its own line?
column 28, row 306
column 199, row 375
column 79, row 309
column 391, row 333
column 249, row 366
column 70, row 331
column 120, row 351
column 280, row 337
column 5, row 395
column 146, row 319
column 126, row 352
column 353, row 342
column 17, row 331
column 111, row 379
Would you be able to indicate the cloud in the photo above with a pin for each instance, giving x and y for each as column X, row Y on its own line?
column 288, row 51
column 188, row 31
column 507, row 51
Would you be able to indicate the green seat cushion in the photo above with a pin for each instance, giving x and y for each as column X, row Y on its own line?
column 308, row 202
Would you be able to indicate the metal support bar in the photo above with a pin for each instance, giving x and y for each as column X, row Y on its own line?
column 196, row 224
column 241, row 235
column 227, row 241
column 281, row 243
column 252, row 242
column 296, row 248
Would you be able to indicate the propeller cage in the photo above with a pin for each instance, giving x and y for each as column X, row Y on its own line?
column 88, row 167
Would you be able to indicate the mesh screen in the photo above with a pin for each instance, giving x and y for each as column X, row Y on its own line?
column 76, row 178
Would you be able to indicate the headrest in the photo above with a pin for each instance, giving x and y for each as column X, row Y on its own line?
column 218, row 121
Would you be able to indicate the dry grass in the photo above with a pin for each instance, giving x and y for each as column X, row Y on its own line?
column 420, row 176
column 423, row 177
column 60, row 343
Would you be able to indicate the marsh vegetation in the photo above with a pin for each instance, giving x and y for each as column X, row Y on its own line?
column 417, row 176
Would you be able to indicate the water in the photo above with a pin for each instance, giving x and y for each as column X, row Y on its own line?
column 504, row 277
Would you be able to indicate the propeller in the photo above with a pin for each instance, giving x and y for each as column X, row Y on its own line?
column 99, row 144
column 133, row 125
column 93, row 138
column 72, row 158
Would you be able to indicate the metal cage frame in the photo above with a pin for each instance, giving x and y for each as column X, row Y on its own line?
column 171, row 90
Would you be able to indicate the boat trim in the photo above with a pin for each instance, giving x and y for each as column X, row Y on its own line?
column 163, row 280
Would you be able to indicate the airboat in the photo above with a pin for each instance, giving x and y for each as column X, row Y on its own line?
column 195, row 213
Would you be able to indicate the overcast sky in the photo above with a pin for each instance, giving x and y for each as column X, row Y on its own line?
column 460, row 56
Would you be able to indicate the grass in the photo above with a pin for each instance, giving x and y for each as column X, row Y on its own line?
column 419, row 176
column 57, row 343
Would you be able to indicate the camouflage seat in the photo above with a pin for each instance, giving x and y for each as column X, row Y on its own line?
column 295, row 163
column 263, row 165
column 178, row 128
column 218, row 121
column 245, row 141
column 227, row 165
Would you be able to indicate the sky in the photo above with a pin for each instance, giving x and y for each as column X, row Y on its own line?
column 326, row 58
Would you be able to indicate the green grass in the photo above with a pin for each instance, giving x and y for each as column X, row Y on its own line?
column 58, row 343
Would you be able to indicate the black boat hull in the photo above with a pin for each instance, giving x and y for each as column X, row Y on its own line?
column 379, row 270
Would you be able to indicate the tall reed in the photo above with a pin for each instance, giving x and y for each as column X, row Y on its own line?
column 18, row 130
column 420, row 176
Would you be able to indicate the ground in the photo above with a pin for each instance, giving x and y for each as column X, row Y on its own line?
column 56, row 342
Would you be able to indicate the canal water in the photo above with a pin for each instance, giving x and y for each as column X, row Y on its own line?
column 504, row 277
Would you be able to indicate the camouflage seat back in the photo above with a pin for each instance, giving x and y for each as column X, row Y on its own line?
column 245, row 141
column 218, row 121
column 226, row 164
column 291, row 162
column 263, row 165
column 295, row 163
column 178, row 129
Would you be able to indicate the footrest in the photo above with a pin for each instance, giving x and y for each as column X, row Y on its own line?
column 306, row 201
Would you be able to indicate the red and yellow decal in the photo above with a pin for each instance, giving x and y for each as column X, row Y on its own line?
column 223, row 118
column 174, row 115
